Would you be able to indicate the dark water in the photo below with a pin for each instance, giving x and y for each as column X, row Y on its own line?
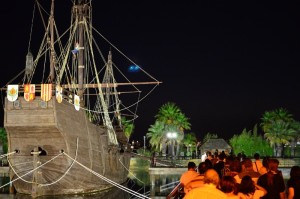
column 140, row 185
column 113, row 193
column 154, row 187
column 160, row 186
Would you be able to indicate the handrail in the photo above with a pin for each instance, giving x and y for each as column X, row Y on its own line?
column 176, row 192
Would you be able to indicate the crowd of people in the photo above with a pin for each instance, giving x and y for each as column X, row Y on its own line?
column 238, row 177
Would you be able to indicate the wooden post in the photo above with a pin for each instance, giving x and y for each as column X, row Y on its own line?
column 35, row 178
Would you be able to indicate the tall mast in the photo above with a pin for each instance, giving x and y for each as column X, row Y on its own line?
column 52, row 59
column 81, row 14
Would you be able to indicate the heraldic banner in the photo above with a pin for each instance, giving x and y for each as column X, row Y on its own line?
column 29, row 92
column 59, row 94
column 12, row 92
column 46, row 92
column 77, row 102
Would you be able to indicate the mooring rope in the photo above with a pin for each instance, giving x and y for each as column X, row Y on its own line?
column 130, row 171
column 133, row 176
column 21, row 177
column 67, row 171
column 110, row 181
column 74, row 160
column 7, row 154
column 48, row 184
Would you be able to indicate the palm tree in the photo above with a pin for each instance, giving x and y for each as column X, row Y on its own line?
column 174, row 121
column 278, row 130
column 278, row 114
column 182, row 122
column 171, row 114
column 128, row 127
column 189, row 141
column 156, row 136
column 279, row 134
column 172, row 138
column 296, row 126
column 168, row 112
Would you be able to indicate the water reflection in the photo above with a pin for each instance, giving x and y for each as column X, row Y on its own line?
column 113, row 193
column 162, row 184
column 139, row 181
column 156, row 185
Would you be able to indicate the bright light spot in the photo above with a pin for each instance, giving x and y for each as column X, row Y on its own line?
column 172, row 135
column 133, row 68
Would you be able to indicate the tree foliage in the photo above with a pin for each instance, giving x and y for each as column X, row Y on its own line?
column 128, row 127
column 156, row 135
column 168, row 119
column 279, row 127
column 189, row 139
column 280, row 132
column 249, row 143
column 171, row 114
column 3, row 139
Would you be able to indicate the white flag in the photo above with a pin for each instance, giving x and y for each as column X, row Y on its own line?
column 12, row 92
column 58, row 94
column 77, row 102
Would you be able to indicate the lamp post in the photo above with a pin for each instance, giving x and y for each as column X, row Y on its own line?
column 132, row 146
column 197, row 149
column 172, row 136
column 144, row 144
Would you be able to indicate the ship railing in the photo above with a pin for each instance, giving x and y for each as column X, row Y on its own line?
column 177, row 192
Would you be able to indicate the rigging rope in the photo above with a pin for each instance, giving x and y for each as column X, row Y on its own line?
column 48, row 184
column 7, row 154
column 67, row 171
column 74, row 160
column 31, row 28
column 123, row 54
column 21, row 177
column 130, row 172
column 110, row 181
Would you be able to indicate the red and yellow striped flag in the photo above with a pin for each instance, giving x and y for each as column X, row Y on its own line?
column 46, row 92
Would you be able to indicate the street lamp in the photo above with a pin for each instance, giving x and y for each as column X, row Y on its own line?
column 144, row 144
column 172, row 136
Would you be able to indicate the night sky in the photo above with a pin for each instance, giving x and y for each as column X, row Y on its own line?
column 224, row 63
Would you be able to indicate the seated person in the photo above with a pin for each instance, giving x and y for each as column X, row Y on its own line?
column 189, row 175
column 197, row 181
column 209, row 189
column 247, row 170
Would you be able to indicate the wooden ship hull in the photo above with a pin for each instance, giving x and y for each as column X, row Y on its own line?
column 71, row 140
column 58, row 150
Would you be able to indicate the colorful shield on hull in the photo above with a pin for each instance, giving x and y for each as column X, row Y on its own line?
column 29, row 92
column 58, row 94
column 12, row 92
column 46, row 92
column 77, row 102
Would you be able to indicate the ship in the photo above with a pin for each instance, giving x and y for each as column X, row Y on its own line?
column 66, row 113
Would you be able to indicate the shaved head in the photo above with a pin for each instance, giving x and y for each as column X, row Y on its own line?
column 211, row 176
